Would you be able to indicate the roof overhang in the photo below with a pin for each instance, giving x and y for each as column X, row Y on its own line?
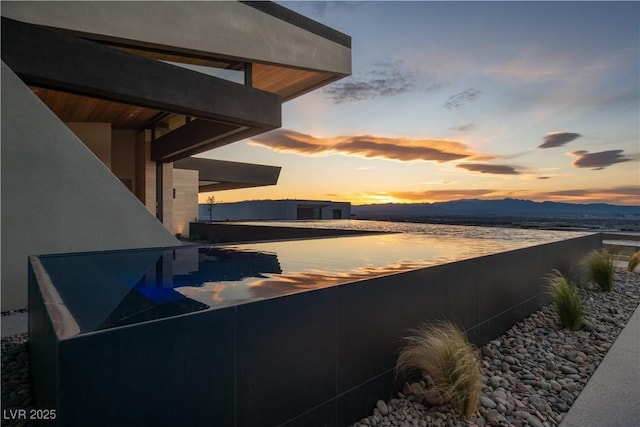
column 217, row 175
column 290, row 54
column 42, row 57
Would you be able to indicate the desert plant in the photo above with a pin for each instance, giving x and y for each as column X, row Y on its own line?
column 443, row 353
column 566, row 299
column 600, row 267
column 634, row 260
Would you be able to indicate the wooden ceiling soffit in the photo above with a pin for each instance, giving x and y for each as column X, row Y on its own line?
column 64, row 62
column 288, row 82
column 77, row 108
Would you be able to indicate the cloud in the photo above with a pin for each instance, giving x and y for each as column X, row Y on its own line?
column 463, row 128
column 460, row 99
column 436, row 86
column 543, row 177
column 598, row 161
column 490, row 169
column 384, row 79
column 558, row 139
column 402, row 149
column 441, row 195
column 624, row 195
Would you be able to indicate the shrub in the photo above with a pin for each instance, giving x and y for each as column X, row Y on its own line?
column 600, row 268
column 443, row 353
column 565, row 297
column 633, row 261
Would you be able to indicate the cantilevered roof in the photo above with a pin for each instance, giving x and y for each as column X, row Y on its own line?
column 290, row 53
column 217, row 175
column 117, row 62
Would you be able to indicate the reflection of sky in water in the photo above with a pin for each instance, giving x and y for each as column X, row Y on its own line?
column 318, row 263
column 104, row 290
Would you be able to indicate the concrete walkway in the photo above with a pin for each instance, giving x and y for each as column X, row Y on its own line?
column 611, row 398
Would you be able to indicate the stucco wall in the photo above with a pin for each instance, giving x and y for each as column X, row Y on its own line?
column 57, row 196
column 224, row 28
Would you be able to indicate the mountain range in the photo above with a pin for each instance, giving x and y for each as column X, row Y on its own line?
column 490, row 208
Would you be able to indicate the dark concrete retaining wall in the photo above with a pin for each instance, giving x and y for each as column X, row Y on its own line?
column 227, row 233
column 322, row 357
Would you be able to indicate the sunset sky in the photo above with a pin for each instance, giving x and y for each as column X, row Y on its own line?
column 453, row 100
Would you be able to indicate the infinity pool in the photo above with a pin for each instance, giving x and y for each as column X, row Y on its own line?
column 110, row 289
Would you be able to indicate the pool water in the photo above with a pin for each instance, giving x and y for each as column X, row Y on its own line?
column 110, row 289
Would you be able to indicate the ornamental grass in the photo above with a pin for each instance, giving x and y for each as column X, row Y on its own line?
column 443, row 353
column 634, row 260
column 600, row 267
column 566, row 299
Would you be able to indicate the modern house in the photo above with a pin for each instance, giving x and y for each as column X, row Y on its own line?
column 104, row 103
column 275, row 210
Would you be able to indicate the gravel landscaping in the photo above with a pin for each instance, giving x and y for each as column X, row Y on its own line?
column 533, row 373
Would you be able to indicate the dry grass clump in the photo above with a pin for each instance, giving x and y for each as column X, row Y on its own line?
column 633, row 261
column 565, row 297
column 443, row 353
column 600, row 267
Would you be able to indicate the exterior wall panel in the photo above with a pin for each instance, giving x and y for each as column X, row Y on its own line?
column 185, row 203
column 62, row 197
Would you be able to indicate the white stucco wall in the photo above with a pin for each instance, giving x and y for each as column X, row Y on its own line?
column 57, row 196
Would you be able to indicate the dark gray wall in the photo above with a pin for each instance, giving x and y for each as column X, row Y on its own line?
column 225, row 233
column 321, row 357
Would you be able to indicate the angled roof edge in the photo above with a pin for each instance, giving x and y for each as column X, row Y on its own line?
column 226, row 175
column 301, row 21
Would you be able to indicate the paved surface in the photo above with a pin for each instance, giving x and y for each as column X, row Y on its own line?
column 13, row 324
column 611, row 398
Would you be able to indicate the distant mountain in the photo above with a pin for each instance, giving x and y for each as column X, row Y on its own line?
column 493, row 208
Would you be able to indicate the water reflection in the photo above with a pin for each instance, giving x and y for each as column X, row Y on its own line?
column 106, row 290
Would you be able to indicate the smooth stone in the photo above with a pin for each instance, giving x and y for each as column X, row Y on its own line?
column 487, row 402
column 382, row 406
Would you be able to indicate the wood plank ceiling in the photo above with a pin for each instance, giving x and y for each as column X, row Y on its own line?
column 284, row 81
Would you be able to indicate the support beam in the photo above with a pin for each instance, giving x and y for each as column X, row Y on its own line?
column 226, row 175
column 193, row 137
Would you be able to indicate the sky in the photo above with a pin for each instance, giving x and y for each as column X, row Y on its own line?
column 460, row 100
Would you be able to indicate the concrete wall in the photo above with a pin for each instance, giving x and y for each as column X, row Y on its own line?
column 57, row 196
column 269, row 210
column 224, row 28
column 185, row 203
column 224, row 233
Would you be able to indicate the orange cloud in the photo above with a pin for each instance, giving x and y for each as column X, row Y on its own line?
column 371, row 146
column 443, row 195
